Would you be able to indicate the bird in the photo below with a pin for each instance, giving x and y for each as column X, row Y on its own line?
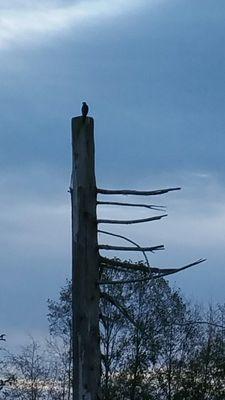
column 84, row 110
column 2, row 336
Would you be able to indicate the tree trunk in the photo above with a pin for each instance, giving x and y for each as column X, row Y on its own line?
column 85, row 261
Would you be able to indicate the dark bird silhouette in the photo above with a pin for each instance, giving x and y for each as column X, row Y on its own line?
column 84, row 110
column 2, row 336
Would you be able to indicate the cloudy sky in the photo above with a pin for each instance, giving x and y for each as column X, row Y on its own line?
column 152, row 72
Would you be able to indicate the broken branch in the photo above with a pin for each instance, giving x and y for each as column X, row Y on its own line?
column 122, row 248
column 160, row 275
column 131, row 221
column 108, row 262
column 137, row 192
column 128, row 240
column 175, row 270
column 116, row 203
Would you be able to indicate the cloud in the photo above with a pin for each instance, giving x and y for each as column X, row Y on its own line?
column 24, row 22
column 35, row 240
column 195, row 226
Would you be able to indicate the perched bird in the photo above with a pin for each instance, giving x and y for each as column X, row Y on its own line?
column 2, row 336
column 84, row 110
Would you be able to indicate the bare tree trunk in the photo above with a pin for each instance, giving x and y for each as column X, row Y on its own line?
column 169, row 371
column 136, row 366
column 85, row 290
column 70, row 363
column 107, row 366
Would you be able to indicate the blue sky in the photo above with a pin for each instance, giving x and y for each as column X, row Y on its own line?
column 153, row 74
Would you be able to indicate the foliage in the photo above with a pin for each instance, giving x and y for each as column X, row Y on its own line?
column 166, row 349
column 60, row 326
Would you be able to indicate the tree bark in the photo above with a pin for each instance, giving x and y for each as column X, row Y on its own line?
column 85, row 261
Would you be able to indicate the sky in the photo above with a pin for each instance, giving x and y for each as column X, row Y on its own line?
column 152, row 72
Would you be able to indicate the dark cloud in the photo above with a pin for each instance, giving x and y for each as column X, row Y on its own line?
column 154, row 83
column 157, row 86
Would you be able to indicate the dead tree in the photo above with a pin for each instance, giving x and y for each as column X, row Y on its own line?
column 87, row 262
